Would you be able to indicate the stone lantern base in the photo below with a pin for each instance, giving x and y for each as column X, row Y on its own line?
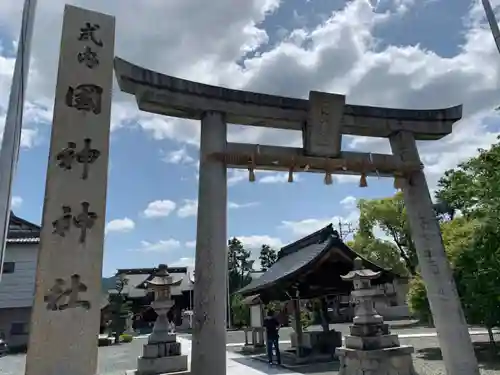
column 388, row 361
column 161, row 357
column 372, row 350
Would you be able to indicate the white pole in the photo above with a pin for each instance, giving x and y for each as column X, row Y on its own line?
column 493, row 22
column 13, row 122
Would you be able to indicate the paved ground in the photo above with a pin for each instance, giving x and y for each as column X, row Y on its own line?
column 427, row 359
column 114, row 360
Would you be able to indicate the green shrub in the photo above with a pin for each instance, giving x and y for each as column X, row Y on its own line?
column 126, row 338
column 305, row 319
column 418, row 302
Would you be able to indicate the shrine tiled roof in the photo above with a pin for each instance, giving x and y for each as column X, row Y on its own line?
column 320, row 253
column 22, row 231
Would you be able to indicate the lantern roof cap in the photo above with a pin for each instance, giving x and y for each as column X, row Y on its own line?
column 360, row 273
column 162, row 278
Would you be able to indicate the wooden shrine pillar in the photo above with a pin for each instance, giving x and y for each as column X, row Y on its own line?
column 453, row 334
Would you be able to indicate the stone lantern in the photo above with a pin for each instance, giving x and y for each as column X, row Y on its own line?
column 162, row 353
column 370, row 348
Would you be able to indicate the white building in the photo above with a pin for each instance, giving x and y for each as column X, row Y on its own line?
column 17, row 286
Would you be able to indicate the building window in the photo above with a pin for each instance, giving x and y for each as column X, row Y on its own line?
column 9, row 267
column 19, row 329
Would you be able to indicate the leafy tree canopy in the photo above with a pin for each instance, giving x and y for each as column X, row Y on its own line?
column 383, row 253
column 389, row 214
column 477, row 271
column 473, row 187
column 239, row 265
column 268, row 257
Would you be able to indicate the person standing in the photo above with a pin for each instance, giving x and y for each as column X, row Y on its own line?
column 272, row 327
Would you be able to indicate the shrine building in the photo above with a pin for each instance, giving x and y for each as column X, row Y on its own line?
column 311, row 268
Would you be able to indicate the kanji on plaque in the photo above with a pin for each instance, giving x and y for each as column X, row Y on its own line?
column 66, row 156
column 88, row 33
column 86, row 156
column 88, row 57
column 63, row 296
column 84, row 221
column 63, row 224
column 85, row 97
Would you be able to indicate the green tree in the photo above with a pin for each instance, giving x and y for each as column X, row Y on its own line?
column 473, row 187
column 458, row 236
column 383, row 253
column 120, row 307
column 477, row 271
column 389, row 214
column 417, row 300
column 241, row 312
column 268, row 257
column 239, row 265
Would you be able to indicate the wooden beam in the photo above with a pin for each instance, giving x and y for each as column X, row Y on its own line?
column 275, row 158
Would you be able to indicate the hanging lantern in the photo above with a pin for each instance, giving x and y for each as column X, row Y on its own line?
column 399, row 182
column 362, row 180
column 328, row 178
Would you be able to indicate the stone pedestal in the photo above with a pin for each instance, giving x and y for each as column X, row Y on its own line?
column 389, row 361
column 162, row 356
column 372, row 350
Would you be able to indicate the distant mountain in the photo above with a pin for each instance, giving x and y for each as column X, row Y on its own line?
column 108, row 283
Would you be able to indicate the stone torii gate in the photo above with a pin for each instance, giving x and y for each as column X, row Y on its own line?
column 323, row 119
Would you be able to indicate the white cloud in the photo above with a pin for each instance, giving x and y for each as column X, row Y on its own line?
column 277, row 178
column 180, row 156
column 120, row 225
column 159, row 208
column 369, row 72
column 254, row 243
column 188, row 208
column 305, row 227
column 190, row 244
column 235, row 176
column 234, row 205
column 160, row 246
column 348, row 202
column 16, row 202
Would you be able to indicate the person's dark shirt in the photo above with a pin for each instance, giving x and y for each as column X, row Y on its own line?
column 271, row 325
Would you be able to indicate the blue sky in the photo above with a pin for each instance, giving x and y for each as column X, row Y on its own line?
column 399, row 53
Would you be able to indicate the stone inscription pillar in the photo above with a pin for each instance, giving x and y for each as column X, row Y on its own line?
column 453, row 334
column 66, row 311
column 209, row 325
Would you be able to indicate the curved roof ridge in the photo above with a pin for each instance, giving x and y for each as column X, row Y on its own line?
column 319, row 236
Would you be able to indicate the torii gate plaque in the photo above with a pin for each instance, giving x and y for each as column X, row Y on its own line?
column 322, row 119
